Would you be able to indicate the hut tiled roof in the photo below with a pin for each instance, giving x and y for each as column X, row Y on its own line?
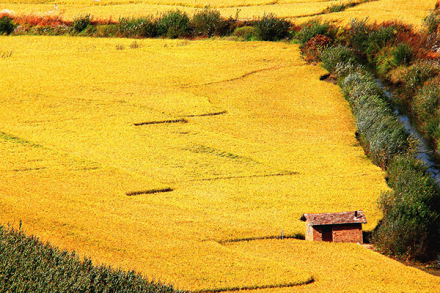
column 334, row 218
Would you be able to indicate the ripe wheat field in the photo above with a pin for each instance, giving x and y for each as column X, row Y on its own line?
column 162, row 156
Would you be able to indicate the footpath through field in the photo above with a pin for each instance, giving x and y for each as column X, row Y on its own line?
column 154, row 155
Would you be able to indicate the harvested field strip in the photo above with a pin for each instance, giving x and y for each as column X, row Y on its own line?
column 150, row 191
column 161, row 122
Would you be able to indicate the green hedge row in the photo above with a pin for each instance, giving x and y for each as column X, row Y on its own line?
column 171, row 24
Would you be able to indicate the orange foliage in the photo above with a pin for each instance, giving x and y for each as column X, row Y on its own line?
column 40, row 20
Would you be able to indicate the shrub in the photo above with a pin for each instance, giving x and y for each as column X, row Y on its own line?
column 342, row 6
column 431, row 22
column 108, row 30
column 410, row 225
column 313, row 48
column 245, row 32
column 384, row 61
column 342, row 70
column 336, row 8
column 271, row 28
column 433, row 129
column 50, row 30
column 418, row 73
column 209, row 23
column 313, row 28
column 358, row 86
column 402, row 55
column 378, row 39
column 6, row 25
column 358, row 34
column 81, row 22
column 385, row 135
column 381, row 132
column 138, row 27
column 332, row 56
column 427, row 101
column 174, row 24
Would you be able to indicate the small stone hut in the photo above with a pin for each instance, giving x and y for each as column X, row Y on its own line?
column 335, row 227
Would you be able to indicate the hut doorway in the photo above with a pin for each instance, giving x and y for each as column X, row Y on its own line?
column 327, row 233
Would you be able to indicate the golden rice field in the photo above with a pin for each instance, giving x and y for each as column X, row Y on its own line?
column 257, row 140
column 299, row 11
column 153, row 155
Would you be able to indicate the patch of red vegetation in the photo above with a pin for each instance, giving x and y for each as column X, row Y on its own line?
column 313, row 48
column 38, row 20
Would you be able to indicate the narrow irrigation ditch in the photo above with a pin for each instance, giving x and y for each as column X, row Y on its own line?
column 425, row 151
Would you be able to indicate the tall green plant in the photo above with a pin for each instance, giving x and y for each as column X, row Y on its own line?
column 174, row 24
column 138, row 27
column 271, row 28
column 7, row 26
column 28, row 265
column 332, row 56
column 313, row 28
column 403, row 54
column 384, row 136
column 418, row 73
column 411, row 222
column 432, row 21
column 209, row 23
column 81, row 22
column 378, row 39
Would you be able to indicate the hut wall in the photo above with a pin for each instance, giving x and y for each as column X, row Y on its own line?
column 348, row 233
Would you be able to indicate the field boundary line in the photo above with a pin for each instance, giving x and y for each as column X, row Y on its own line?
column 149, row 191
column 235, row 78
column 285, row 285
column 248, row 176
column 298, row 236
column 207, row 114
column 182, row 120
